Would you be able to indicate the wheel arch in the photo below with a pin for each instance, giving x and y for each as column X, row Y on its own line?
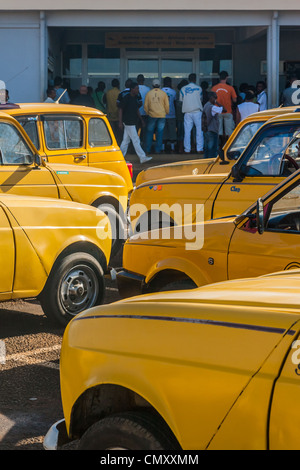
column 109, row 399
column 83, row 246
column 111, row 200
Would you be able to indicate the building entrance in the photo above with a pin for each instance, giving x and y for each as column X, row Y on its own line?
column 159, row 64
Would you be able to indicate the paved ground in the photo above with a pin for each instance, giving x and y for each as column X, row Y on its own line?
column 29, row 378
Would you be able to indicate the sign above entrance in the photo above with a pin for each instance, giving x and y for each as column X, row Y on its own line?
column 159, row 40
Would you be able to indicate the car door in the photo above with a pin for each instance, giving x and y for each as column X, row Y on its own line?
column 7, row 256
column 102, row 150
column 278, row 247
column 64, row 138
column 259, row 169
column 18, row 172
column 285, row 410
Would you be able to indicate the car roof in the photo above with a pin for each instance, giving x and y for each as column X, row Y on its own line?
column 24, row 108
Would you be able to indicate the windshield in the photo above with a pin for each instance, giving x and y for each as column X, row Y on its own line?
column 242, row 140
column 268, row 155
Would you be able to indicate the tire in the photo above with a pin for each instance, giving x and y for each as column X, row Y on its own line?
column 117, row 227
column 76, row 283
column 184, row 284
column 128, row 431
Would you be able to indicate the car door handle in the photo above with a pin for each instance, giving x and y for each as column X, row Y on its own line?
column 79, row 158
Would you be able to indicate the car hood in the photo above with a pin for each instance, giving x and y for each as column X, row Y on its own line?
column 190, row 167
column 276, row 300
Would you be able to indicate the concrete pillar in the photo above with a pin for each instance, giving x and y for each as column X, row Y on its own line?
column 43, row 56
column 273, row 41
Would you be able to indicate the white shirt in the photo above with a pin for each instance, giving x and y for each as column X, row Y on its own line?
column 191, row 97
column 262, row 100
column 247, row 108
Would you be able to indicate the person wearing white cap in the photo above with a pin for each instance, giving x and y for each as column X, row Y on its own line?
column 157, row 107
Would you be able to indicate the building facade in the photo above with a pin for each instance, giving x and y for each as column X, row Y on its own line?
column 92, row 41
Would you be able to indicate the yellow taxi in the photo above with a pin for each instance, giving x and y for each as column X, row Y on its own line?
column 216, row 368
column 264, row 239
column 221, row 193
column 23, row 171
column 53, row 250
column 232, row 150
column 76, row 135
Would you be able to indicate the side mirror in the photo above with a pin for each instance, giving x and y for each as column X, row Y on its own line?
column 235, row 173
column 260, row 219
column 222, row 157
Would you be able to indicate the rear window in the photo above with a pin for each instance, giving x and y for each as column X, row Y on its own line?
column 99, row 135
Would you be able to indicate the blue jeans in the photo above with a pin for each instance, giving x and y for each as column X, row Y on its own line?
column 153, row 124
column 211, row 144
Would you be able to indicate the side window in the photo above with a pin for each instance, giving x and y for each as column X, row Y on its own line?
column 98, row 133
column 268, row 154
column 242, row 140
column 13, row 149
column 29, row 124
column 285, row 212
column 63, row 132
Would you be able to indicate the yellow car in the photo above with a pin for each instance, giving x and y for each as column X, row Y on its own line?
column 72, row 134
column 53, row 250
column 213, row 368
column 264, row 239
column 24, row 172
column 232, row 150
column 222, row 194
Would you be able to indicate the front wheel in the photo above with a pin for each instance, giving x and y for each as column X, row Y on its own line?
column 128, row 431
column 117, row 227
column 75, row 284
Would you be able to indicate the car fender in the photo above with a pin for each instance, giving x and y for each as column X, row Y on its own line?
column 187, row 267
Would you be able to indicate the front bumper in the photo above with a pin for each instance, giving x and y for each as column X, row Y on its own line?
column 56, row 436
column 129, row 284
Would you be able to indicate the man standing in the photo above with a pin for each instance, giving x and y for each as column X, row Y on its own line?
column 210, row 125
column 247, row 108
column 83, row 98
column 226, row 97
column 143, row 92
column 170, row 132
column 157, row 107
column 288, row 95
column 191, row 97
column 262, row 98
column 129, row 115
column 110, row 99
column 60, row 91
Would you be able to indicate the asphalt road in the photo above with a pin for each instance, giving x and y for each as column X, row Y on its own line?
column 29, row 379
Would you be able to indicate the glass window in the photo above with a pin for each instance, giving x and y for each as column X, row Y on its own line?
column 213, row 61
column 103, row 62
column 29, row 124
column 285, row 212
column 72, row 60
column 242, row 140
column 266, row 157
column 63, row 132
column 148, row 67
column 13, row 149
column 98, row 133
column 177, row 68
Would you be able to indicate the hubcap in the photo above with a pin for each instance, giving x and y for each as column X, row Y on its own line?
column 79, row 290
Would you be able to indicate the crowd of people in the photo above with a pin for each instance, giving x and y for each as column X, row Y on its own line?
column 186, row 119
